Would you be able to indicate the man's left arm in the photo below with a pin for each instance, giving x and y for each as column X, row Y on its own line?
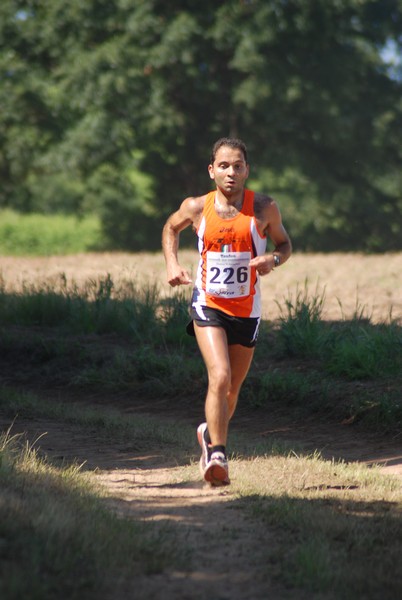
column 276, row 231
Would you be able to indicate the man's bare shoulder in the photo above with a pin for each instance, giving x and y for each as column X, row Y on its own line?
column 195, row 203
column 262, row 204
column 262, row 200
column 193, row 207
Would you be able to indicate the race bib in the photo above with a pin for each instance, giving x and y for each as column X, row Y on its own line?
column 228, row 274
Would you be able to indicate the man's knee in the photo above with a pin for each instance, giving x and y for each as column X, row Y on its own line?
column 219, row 379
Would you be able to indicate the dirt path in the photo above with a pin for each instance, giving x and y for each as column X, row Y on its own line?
column 225, row 562
column 224, row 546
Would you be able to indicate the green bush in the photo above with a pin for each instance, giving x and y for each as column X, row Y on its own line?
column 302, row 331
column 281, row 387
column 44, row 235
column 122, row 200
column 366, row 351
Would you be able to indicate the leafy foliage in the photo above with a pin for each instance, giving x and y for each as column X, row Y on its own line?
column 112, row 107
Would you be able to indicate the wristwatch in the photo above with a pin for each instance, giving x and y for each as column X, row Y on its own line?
column 277, row 260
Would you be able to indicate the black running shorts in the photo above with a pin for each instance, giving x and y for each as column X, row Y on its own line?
column 239, row 330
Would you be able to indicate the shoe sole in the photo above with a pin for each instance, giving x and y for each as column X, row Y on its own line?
column 216, row 475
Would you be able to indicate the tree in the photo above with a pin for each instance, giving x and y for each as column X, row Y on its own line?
column 304, row 83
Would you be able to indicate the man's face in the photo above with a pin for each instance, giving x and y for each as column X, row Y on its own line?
column 229, row 170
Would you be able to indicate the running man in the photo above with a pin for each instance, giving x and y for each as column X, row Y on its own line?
column 232, row 224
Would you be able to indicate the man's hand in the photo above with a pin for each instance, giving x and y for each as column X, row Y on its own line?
column 263, row 264
column 178, row 276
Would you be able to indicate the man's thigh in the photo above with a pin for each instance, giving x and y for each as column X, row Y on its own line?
column 213, row 344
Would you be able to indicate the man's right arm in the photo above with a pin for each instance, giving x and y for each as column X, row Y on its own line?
column 179, row 220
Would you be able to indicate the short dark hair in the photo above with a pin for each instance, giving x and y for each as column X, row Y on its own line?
column 232, row 143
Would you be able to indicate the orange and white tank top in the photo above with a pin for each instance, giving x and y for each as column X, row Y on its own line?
column 225, row 280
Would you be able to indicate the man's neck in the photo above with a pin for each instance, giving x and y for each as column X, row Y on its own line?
column 235, row 199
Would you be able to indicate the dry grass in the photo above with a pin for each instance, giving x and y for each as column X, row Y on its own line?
column 352, row 282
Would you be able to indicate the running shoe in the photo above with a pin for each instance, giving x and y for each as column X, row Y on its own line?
column 216, row 470
column 202, row 440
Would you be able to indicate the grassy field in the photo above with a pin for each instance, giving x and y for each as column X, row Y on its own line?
column 92, row 352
